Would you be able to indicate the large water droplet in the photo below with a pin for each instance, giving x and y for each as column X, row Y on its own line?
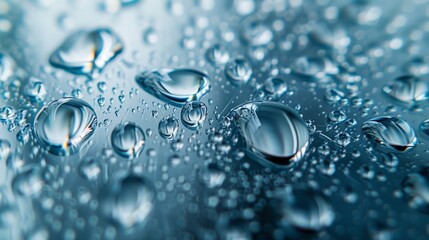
column 87, row 52
column 128, row 140
column 238, row 71
column 175, row 86
column 7, row 66
column 65, row 126
column 128, row 201
column 306, row 210
column 407, row 89
column 272, row 131
column 168, row 127
column 194, row 114
column 390, row 134
column 416, row 189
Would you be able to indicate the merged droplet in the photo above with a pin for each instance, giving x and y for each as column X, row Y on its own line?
column 175, row 86
column 274, row 133
column 7, row 66
column 65, row 126
column 128, row 140
column 306, row 210
column 416, row 189
column 390, row 134
column 407, row 89
column 194, row 114
column 238, row 71
column 87, row 52
column 168, row 127
column 217, row 54
column 128, row 201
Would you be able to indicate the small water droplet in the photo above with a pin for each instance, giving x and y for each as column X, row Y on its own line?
column 168, row 127
column 29, row 182
column 194, row 114
column 416, row 187
column 217, row 54
column 128, row 140
column 238, row 71
column 7, row 66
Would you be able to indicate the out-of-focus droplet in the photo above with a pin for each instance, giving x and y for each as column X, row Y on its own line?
column 212, row 176
column 416, row 189
column 5, row 149
column 65, row 126
column 128, row 140
column 89, row 169
column 274, row 133
column 407, row 89
column 256, row 33
column 7, row 66
column 193, row 114
column 175, row 86
column 390, row 134
column 87, row 52
column 128, row 201
column 35, row 90
column 275, row 87
column 150, row 36
column 313, row 67
column 168, row 127
column 29, row 182
column 217, row 54
column 238, row 71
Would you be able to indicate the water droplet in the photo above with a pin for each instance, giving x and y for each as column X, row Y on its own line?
column 238, row 71
column 150, row 36
column 275, row 87
column 7, row 66
column 87, row 52
column 390, row 134
column 416, row 188
column 5, row 149
column 128, row 140
column 128, row 201
column 256, row 33
column 337, row 116
column 65, row 126
column 168, row 127
column 89, row 169
column 407, row 89
column 194, row 114
column 29, row 182
column 212, row 176
column 313, row 67
column 272, row 131
column 35, row 90
column 217, row 54
column 175, row 86
column 306, row 210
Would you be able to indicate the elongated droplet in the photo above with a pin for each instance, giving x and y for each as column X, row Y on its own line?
column 416, row 189
column 128, row 140
column 87, row 52
column 194, row 114
column 217, row 54
column 175, row 86
column 7, row 66
column 390, row 134
column 306, row 210
column 128, row 201
column 65, row 126
column 273, row 132
column 407, row 89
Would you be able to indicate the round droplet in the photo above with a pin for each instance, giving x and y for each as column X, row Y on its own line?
column 65, row 126
column 238, row 71
column 418, row 67
column 416, row 189
column 407, row 89
column 273, row 132
column 151, row 36
column 306, row 210
column 168, row 127
column 390, row 134
column 212, row 176
column 128, row 201
column 175, row 86
column 87, row 52
column 275, row 87
column 128, row 140
column 29, row 182
column 217, row 54
column 89, row 169
column 194, row 114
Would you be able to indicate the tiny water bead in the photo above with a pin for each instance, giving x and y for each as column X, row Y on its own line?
column 128, row 140
column 65, row 126
column 407, row 89
column 194, row 114
column 217, row 54
column 238, row 71
column 306, row 209
column 175, row 86
column 416, row 188
column 390, row 134
column 168, row 127
column 128, row 201
column 87, row 52
column 274, row 133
